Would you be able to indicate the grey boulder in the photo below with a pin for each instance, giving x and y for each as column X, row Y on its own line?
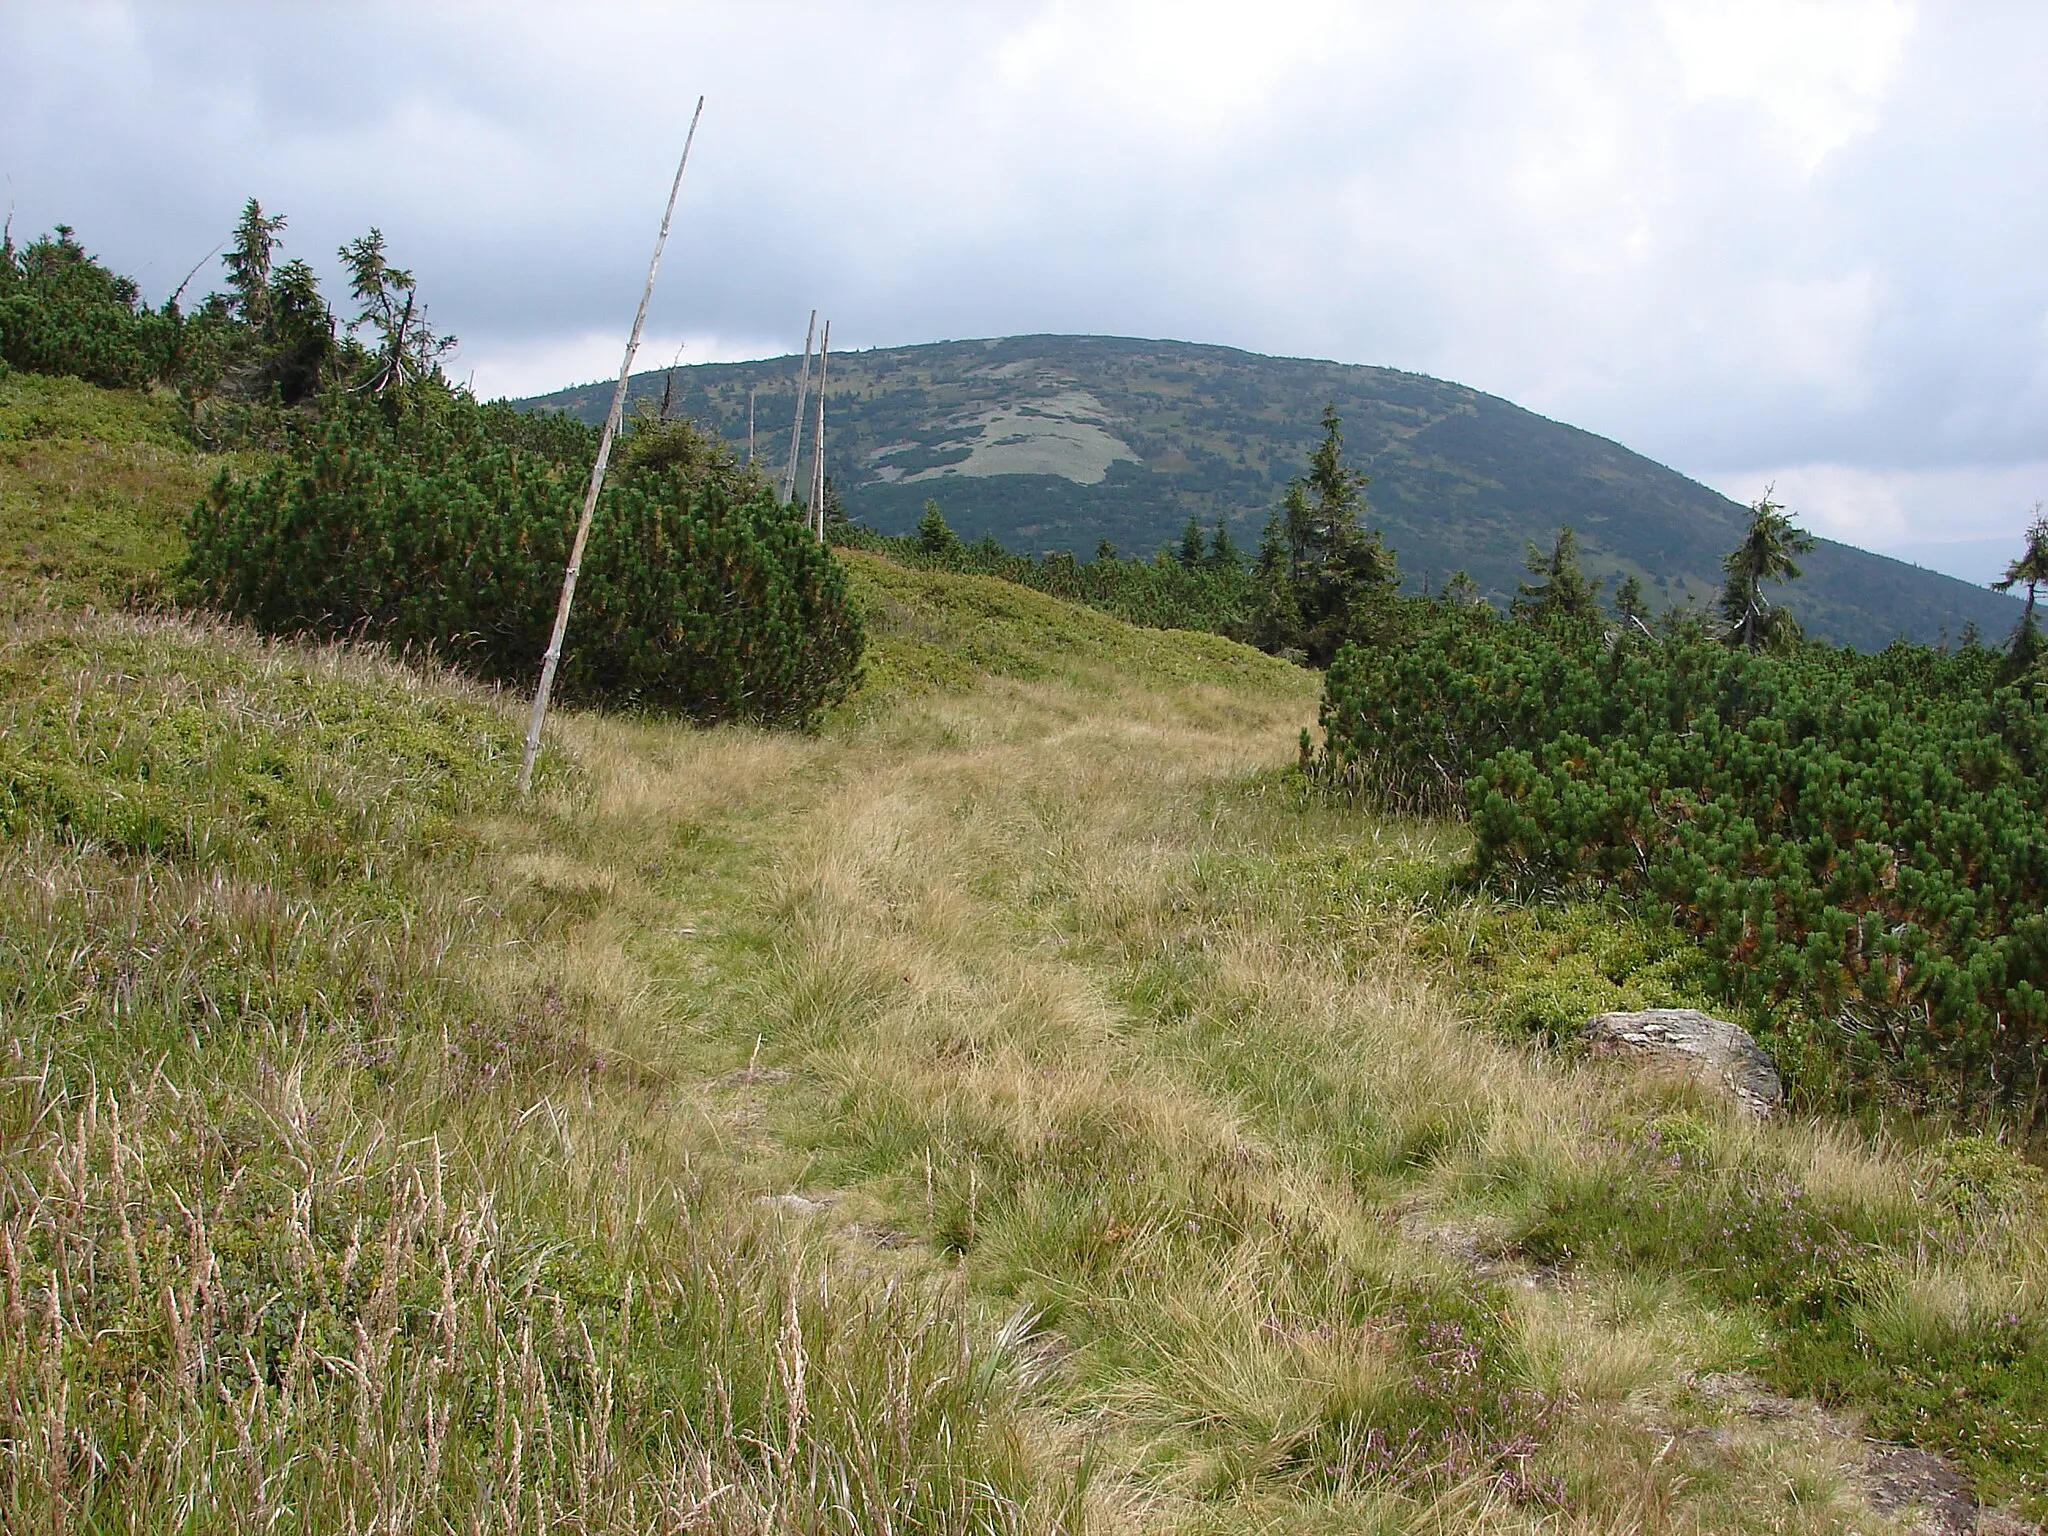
column 1713, row 1050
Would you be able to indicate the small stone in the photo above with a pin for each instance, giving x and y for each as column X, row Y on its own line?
column 1930, row 1491
column 1710, row 1049
column 795, row 1205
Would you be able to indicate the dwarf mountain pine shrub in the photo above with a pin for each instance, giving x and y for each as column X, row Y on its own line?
column 431, row 522
column 62, row 312
column 1862, row 837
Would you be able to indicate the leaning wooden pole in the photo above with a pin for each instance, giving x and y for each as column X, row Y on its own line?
column 818, row 438
column 796, row 431
column 553, row 656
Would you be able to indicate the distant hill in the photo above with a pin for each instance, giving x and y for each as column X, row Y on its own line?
column 1978, row 561
column 1057, row 442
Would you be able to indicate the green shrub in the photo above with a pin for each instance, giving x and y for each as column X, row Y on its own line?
column 1215, row 597
column 432, row 522
column 1864, row 838
column 62, row 312
column 1979, row 1177
column 1541, row 968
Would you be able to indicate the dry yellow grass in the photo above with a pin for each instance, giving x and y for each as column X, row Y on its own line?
column 1026, row 984
column 1134, row 1154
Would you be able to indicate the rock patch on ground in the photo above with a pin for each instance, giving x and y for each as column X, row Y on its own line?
column 1921, row 1492
column 1712, row 1050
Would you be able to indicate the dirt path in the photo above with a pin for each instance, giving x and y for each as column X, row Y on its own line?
column 1062, row 994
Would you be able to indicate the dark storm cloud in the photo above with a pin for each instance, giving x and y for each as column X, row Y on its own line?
column 1790, row 240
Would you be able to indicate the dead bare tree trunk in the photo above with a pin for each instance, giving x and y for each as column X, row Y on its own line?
column 818, row 439
column 750, row 429
column 553, row 656
column 796, row 431
column 668, row 386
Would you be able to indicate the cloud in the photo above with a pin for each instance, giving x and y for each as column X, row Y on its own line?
column 526, row 367
column 1726, row 232
column 1883, row 508
column 1814, row 76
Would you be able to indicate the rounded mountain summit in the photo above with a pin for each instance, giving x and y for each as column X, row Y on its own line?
column 1059, row 442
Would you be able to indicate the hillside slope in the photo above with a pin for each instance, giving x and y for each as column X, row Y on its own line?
column 94, row 488
column 1021, row 1106
column 1055, row 442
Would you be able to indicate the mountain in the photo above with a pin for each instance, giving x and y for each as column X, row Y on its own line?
column 1978, row 561
column 1057, row 442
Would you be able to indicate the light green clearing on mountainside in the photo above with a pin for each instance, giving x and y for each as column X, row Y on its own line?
column 1058, row 433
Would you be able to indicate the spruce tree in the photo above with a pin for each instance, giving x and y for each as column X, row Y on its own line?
column 1337, row 568
column 934, row 536
column 1223, row 551
column 407, row 347
column 1630, row 607
column 2025, row 650
column 297, row 341
column 1275, row 620
column 1765, row 554
column 286, row 341
column 1191, row 544
column 837, row 524
column 1460, row 591
column 250, row 250
column 1562, row 595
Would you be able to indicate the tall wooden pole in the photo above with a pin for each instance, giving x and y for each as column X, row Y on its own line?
column 750, row 429
column 796, row 431
column 553, row 657
column 818, row 438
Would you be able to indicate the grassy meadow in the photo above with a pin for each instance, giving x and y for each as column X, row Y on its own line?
column 1021, row 1105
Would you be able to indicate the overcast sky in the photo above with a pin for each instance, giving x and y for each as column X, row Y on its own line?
column 1800, row 242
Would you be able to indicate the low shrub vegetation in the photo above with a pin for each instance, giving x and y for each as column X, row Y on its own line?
column 440, row 525
column 395, row 507
column 61, row 312
column 1542, row 969
column 95, row 486
column 1855, row 838
column 1161, row 593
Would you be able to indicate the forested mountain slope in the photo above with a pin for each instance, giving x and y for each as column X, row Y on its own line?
column 1057, row 442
